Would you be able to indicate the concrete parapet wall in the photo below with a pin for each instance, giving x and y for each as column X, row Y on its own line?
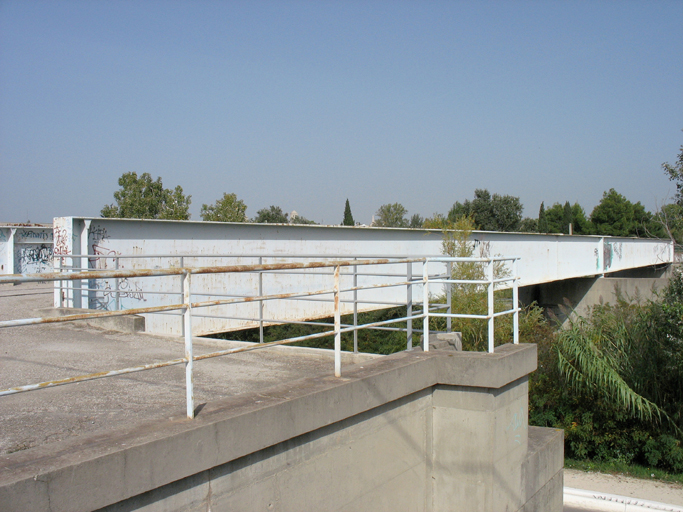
column 26, row 248
column 413, row 431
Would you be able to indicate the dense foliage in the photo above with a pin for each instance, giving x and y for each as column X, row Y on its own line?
column 617, row 216
column 226, row 209
column 558, row 218
column 391, row 216
column 490, row 212
column 614, row 382
column 271, row 215
column 144, row 198
column 348, row 216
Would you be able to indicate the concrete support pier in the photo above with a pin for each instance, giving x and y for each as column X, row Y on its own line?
column 436, row 431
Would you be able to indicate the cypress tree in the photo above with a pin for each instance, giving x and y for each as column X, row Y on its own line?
column 542, row 220
column 348, row 218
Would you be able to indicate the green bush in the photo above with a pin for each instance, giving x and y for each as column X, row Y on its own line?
column 614, row 382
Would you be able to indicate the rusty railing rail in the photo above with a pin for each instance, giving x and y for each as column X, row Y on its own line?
column 187, row 307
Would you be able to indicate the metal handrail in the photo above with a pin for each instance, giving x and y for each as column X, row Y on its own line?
column 187, row 306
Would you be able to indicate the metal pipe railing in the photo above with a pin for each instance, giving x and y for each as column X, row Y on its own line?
column 189, row 308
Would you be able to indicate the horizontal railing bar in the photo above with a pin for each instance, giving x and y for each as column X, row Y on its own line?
column 259, row 346
column 456, row 259
column 151, row 309
column 103, row 274
column 454, row 315
column 173, row 362
column 391, row 321
column 248, row 255
column 265, row 320
column 508, row 312
column 90, row 376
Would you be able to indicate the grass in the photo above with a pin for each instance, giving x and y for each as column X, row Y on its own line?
column 620, row 468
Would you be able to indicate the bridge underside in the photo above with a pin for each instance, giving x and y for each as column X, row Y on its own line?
column 570, row 298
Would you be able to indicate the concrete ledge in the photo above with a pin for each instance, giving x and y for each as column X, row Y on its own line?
column 542, row 469
column 481, row 369
column 128, row 323
column 90, row 473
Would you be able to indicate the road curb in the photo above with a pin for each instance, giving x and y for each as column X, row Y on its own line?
column 602, row 502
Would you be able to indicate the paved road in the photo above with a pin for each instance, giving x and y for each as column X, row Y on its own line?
column 38, row 353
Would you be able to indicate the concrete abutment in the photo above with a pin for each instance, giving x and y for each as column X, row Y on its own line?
column 435, row 431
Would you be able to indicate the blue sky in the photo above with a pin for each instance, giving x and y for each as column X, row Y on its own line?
column 303, row 104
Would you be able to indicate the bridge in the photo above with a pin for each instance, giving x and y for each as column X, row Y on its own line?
column 425, row 429
column 111, row 244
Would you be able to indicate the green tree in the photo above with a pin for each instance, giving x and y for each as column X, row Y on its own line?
column 437, row 221
column 490, row 212
column 226, row 209
column 675, row 173
column 542, row 219
column 567, row 217
column 472, row 298
column 582, row 225
column 416, row 221
column 670, row 217
column 555, row 218
column 348, row 217
column 558, row 219
column 144, row 198
column 391, row 216
column 271, row 215
column 298, row 219
column 528, row 225
column 617, row 216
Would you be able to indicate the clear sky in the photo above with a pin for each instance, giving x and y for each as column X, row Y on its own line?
column 304, row 104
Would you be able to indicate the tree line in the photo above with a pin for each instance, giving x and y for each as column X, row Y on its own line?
column 141, row 197
column 144, row 198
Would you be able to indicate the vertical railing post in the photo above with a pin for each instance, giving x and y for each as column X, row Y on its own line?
column 409, row 303
column 490, row 305
column 260, row 303
column 182, row 287
column 58, row 297
column 425, row 307
column 355, row 309
column 337, row 325
column 449, row 298
column 117, row 295
column 189, row 358
column 515, row 302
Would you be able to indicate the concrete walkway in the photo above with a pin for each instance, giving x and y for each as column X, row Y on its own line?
column 38, row 353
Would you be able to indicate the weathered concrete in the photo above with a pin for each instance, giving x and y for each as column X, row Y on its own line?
column 26, row 248
column 39, row 353
column 442, row 430
column 580, row 295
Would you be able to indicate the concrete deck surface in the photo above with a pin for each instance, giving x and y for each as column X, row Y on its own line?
column 38, row 353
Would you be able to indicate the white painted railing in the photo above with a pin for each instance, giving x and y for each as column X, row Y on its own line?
column 434, row 282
